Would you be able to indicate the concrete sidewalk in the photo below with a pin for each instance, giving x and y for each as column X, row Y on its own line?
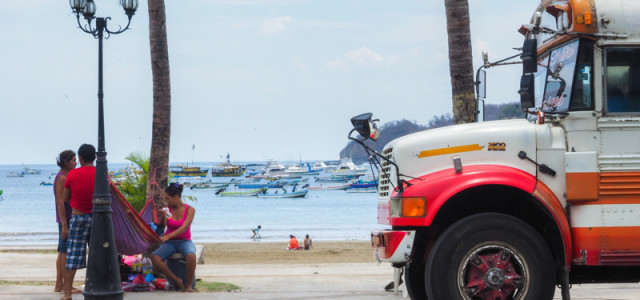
column 262, row 281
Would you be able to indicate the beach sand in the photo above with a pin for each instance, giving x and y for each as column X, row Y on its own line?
column 276, row 253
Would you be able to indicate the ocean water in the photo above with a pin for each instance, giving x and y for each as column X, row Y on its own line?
column 29, row 213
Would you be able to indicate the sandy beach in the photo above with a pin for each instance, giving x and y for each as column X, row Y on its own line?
column 276, row 253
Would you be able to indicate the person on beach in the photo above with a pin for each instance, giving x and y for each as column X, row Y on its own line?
column 308, row 243
column 177, row 238
column 66, row 160
column 78, row 192
column 293, row 243
column 256, row 231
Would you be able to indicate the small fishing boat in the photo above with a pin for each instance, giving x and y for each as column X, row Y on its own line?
column 46, row 183
column 249, row 193
column 29, row 171
column 330, row 187
column 226, row 169
column 336, row 178
column 209, row 186
column 296, row 194
column 185, row 171
column 15, row 174
column 259, row 186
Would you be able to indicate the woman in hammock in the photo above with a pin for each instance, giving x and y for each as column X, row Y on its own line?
column 177, row 238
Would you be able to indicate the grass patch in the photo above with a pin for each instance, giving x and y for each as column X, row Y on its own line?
column 35, row 282
column 206, row 286
column 30, row 251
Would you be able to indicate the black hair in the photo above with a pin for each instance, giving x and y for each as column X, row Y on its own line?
column 64, row 157
column 87, row 153
column 174, row 189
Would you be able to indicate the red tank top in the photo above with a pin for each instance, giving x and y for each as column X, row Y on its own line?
column 80, row 182
column 173, row 225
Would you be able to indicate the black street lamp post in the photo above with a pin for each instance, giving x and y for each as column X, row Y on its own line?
column 103, row 272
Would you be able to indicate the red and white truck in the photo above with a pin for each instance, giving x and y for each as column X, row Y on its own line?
column 511, row 209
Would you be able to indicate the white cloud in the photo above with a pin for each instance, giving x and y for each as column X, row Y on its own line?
column 275, row 25
column 298, row 65
column 336, row 65
column 364, row 56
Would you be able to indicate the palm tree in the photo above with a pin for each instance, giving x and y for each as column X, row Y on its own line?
column 134, row 187
column 460, row 61
column 161, row 129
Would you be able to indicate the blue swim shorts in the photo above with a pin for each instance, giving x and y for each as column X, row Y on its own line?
column 170, row 247
column 62, row 243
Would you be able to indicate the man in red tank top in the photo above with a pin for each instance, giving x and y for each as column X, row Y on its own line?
column 78, row 191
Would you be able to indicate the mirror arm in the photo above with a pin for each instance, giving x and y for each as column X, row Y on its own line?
column 399, row 181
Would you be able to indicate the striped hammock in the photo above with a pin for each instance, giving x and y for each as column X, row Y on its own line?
column 131, row 230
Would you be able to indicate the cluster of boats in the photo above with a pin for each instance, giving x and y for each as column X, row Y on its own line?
column 277, row 181
column 25, row 171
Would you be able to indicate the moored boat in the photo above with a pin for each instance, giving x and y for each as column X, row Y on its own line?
column 249, row 193
column 296, row 194
column 208, row 186
column 185, row 171
column 330, row 187
column 226, row 169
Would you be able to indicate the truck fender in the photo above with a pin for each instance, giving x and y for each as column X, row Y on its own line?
column 440, row 186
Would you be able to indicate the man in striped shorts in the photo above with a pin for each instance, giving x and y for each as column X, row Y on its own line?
column 78, row 191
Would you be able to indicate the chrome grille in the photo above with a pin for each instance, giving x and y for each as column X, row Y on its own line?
column 386, row 175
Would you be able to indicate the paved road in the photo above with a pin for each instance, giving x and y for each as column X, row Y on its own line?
column 264, row 281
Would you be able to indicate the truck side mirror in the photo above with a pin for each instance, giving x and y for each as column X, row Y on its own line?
column 529, row 56
column 526, row 91
column 366, row 127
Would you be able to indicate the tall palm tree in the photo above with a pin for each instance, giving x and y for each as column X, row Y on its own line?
column 161, row 130
column 460, row 61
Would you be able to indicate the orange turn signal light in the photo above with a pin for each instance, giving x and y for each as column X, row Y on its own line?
column 587, row 17
column 413, row 207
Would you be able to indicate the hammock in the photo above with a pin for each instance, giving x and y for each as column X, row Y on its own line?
column 132, row 231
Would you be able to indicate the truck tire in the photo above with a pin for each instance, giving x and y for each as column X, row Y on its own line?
column 414, row 280
column 490, row 256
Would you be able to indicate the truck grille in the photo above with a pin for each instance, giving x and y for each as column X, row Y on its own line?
column 387, row 174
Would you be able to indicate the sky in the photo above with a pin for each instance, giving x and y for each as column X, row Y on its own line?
column 258, row 79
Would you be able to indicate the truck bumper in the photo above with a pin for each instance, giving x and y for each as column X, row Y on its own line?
column 393, row 246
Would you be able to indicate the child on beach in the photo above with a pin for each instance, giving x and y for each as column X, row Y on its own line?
column 256, row 231
column 308, row 243
column 177, row 238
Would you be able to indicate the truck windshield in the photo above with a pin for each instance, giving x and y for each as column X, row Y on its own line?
column 563, row 80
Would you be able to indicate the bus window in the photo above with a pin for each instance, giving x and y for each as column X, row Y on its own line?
column 622, row 80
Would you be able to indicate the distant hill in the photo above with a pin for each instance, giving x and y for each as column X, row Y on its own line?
column 395, row 129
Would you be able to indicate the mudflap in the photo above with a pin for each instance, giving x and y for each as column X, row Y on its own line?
column 393, row 246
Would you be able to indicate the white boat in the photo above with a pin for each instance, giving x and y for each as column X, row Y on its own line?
column 15, row 174
column 275, row 169
column 347, row 167
column 330, row 187
column 296, row 170
column 296, row 194
column 29, row 171
column 320, row 166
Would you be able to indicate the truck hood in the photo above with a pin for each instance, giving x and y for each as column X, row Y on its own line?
column 493, row 142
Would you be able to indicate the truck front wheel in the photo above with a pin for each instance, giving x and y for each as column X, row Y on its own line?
column 490, row 256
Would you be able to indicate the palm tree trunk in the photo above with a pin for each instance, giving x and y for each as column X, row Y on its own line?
column 460, row 61
column 161, row 129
